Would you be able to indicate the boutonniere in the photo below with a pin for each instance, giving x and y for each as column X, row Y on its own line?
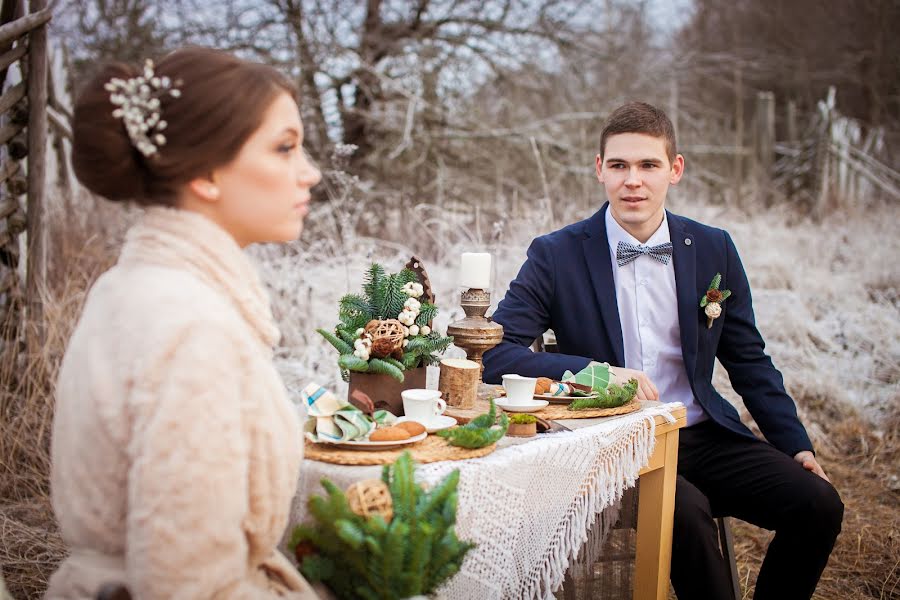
column 712, row 300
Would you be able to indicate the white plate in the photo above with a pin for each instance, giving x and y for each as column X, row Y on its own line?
column 436, row 424
column 387, row 445
column 522, row 406
column 564, row 399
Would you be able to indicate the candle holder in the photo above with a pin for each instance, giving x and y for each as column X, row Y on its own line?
column 476, row 334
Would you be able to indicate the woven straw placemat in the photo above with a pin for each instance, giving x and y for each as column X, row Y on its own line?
column 553, row 412
column 432, row 449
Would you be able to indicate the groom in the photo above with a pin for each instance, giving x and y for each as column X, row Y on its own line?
column 625, row 287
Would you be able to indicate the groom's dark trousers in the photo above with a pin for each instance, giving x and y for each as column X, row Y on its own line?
column 567, row 285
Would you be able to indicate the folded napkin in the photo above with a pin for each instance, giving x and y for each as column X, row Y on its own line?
column 333, row 419
column 595, row 375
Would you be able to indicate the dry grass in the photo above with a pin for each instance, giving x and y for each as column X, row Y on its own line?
column 865, row 562
column 837, row 345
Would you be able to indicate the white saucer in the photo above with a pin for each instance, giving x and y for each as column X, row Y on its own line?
column 529, row 406
column 435, row 424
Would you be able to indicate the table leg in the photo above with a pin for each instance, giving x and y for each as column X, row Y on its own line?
column 656, row 511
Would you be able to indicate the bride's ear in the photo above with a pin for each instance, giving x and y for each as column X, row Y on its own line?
column 204, row 188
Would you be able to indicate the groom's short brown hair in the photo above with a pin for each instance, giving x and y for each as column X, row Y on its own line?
column 640, row 117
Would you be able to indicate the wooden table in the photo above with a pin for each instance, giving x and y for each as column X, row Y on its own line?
column 656, row 511
column 655, row 508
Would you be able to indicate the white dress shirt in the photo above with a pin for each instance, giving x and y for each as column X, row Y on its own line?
column 648, row 312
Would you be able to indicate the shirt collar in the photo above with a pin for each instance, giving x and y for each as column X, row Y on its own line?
column 615, row 233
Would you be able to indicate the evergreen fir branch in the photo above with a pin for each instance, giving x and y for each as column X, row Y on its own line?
column 353, row 306
column 407, row 276
column 611, row 397
column 704, row 301
column 725, row 295
column 352, row 362
column 716, row 281
column 346, row 334
column 341, row 346
column 394, row 297
column 427, row 313
column 410, row 360
column 376, row 365
column 429, row 344
column 395, row 362
column 372, row 280
column 377, row 297
column 417, row 345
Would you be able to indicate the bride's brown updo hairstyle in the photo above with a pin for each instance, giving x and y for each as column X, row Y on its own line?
column 222, row 100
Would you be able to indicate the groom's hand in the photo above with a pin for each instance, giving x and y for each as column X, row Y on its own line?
column 646, row 389
column 809, row 462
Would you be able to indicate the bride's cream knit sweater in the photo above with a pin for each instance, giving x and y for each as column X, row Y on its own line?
column 175, row 449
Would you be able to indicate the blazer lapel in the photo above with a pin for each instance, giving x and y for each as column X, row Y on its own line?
column 685, row 262
column 599, row 263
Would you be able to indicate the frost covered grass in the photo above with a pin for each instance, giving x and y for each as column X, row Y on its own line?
column 827, row 299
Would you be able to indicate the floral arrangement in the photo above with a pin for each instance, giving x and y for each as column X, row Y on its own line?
column 384, row 539
column 387, row 328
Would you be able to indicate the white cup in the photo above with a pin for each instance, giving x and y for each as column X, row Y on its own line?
column 519, row 390
column 422, row 405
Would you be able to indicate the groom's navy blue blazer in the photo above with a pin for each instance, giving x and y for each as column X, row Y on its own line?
column 567, row 285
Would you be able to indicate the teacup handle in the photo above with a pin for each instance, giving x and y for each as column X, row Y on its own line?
column 440, row 407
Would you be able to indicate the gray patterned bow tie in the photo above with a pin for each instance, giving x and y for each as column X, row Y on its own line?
column 625, row 252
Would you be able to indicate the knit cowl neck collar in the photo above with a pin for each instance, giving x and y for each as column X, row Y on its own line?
column 186, row 240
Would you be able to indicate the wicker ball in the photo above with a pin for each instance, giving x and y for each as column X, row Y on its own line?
column 387, row 336
column 371, row 497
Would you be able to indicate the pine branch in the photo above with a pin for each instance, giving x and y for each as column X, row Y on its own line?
column 376, row 365
column 407, row 276
column 353, row 307
column 394, row 297
column 341, row 346
column 427, row 313
column 352, row 362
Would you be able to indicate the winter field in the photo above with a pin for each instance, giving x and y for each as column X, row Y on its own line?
column 827, row 299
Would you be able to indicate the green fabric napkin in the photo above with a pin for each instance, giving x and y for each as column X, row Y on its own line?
column 595, row 375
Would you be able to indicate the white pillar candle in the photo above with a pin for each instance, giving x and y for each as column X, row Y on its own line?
column 475, row 270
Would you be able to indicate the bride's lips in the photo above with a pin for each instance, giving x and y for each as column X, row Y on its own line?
column 302, row 206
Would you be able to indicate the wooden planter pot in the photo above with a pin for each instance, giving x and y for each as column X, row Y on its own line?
column 384, row 390
column 522, row 429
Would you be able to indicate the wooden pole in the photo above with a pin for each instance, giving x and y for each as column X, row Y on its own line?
column 737, row 176
column 765, row 141
column 793, row 137
column 37, row 151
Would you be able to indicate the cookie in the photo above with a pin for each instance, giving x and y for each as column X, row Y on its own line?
column 413, row 427
column 389, row 434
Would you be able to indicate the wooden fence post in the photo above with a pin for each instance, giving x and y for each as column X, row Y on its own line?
column 793, row 136
column 765, row 142
column 737, row 176
column 37, row 151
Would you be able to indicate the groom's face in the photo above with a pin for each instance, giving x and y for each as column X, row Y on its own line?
column 636, row 173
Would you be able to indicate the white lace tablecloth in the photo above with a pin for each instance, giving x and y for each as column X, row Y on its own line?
column 530, row 504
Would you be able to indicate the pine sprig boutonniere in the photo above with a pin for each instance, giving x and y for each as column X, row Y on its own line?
column 712, row 300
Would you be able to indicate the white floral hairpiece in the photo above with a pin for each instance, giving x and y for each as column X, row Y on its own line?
column 138, row 103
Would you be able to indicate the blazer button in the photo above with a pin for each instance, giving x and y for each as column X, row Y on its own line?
column 687, row 241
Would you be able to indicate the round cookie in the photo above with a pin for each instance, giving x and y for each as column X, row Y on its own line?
column 389, row 434
column 413, row 427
